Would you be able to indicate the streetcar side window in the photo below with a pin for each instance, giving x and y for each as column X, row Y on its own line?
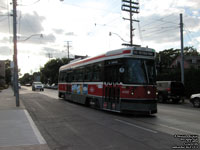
column 88, row 73
column 79, row 74
column 69, row 76
column 97, row 72
column 61, row 76
column 73, row 75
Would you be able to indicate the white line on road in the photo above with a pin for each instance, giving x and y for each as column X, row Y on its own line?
column 180, row 130
column 37, row 133
column 130, row 124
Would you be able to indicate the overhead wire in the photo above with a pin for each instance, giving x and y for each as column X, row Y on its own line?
column 158, row 32
column 29, row 4
column 189, row 35
column 8, row 18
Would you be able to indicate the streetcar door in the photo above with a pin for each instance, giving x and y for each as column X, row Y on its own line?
column 111, row 89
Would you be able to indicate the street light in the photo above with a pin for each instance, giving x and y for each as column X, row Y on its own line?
column 110, row 33
column 41, row 36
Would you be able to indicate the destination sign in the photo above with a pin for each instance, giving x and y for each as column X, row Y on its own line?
column 144, row 53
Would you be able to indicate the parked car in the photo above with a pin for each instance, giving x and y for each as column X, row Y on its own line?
column 54, row 86
column 47, row 86
column 170, row 91
column 195, row 100
column 37, row 86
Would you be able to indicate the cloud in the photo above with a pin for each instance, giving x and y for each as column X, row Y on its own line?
column 192, row 4
column 70, row 34
column 159, row 29
column 31, row 24
column 4, row 27
column 3, row 6
column 58, row 31
column 4, row 40
column 5, row 50
column 192, row 23
column 53, row 53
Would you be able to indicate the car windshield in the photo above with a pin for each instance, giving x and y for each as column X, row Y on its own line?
column 38, row 83
column 139, row 71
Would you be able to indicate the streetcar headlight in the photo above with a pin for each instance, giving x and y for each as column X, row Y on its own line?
column 132, row 92
column 148, row 92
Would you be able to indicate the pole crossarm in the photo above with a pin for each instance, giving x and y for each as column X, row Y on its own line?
column 126, row 1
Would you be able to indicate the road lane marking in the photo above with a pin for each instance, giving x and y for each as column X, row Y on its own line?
column 180, row 130
column 37, row 133
column 131, row 124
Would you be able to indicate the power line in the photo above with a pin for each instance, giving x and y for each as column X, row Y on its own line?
column 158, row 26
column 9, row 22
column 29, row 4
column 160, row 20
column 156, row 33
column 189, row 34
column 3, row 7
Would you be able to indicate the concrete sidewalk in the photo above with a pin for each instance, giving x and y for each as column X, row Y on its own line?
column 17, row 129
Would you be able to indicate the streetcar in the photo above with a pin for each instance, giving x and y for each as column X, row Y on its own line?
column 122, row 80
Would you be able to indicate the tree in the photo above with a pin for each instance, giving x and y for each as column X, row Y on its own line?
column 7, row 72
column 50, row 71
column 191, row 51
column 165, row 58
column 26, row 79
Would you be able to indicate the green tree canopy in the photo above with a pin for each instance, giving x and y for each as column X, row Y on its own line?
column 26, row 79
column 50, row 71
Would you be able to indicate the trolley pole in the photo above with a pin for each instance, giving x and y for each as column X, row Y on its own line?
column 182, row 53
column 16, row 88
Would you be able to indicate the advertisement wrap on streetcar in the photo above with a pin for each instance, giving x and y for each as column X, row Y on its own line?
column 122, row 80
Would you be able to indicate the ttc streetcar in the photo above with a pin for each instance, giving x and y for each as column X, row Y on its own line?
column 122, row 80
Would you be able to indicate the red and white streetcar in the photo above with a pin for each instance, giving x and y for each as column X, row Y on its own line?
column 120, row 80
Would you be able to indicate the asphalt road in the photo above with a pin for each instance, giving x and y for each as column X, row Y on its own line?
column 69, row 126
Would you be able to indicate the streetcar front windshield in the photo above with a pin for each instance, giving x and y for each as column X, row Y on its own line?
column 139, row 71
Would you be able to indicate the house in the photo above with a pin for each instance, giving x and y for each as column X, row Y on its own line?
column 189, row 62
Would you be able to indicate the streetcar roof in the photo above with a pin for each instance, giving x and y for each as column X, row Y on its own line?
column 119, row 53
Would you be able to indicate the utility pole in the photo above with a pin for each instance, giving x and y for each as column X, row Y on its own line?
column 68, row 46
column 131, row 7
column 16, row 88
column 182, row 53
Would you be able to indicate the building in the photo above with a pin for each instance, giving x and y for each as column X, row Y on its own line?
column 2, row 72
column 189, row 62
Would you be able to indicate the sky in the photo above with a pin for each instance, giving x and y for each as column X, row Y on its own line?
column 86, row 24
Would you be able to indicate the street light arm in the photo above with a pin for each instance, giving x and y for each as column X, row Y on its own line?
column 110, row 33
column 41, row 35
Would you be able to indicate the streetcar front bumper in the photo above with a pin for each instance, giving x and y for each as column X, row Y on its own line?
column 139, row 106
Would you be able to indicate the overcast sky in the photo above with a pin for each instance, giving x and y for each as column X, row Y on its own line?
column 87, row 23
